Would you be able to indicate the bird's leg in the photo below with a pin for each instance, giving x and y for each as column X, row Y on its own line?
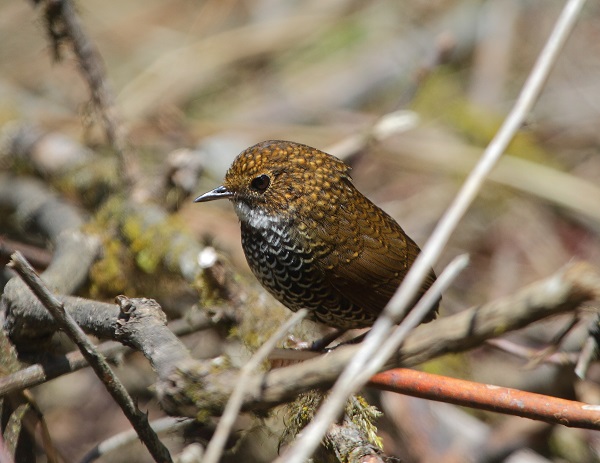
column 355, row 340
column 321, row 344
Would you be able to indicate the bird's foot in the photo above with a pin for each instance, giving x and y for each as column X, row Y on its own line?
column 352, row 341
column 320, row 345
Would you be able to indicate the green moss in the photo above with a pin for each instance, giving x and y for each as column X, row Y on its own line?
column 134, row 261
column 110, row 275
column 145, row 244
column 301, row 412
column 364, row 416
column 262, row 318
column 206, row 396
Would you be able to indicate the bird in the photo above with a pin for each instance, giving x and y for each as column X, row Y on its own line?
column 312, row 239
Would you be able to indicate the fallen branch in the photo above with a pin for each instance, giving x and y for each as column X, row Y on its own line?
column 202, row 386
column 60, row 365
column 113, row 385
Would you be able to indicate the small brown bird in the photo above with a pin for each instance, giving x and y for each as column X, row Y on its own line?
column 311, row 238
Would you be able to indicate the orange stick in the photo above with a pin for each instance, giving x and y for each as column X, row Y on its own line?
column 488, row 397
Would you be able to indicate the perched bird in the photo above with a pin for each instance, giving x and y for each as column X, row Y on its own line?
column 311, row 238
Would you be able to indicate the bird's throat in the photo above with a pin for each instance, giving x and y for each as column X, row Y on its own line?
column 256, row 217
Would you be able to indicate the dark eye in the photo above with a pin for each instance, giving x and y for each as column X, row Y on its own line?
column 261, row 183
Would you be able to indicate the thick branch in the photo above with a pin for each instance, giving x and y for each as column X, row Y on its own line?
column 59, row 365
column 113, row 385
column 562, row 292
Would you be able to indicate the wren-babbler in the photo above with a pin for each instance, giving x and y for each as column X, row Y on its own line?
column 311, row 238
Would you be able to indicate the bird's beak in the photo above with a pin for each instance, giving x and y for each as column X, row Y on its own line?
column 218, row 193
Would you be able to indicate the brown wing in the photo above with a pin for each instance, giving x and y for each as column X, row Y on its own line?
column 372, row 259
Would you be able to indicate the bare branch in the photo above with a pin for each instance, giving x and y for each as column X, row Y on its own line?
column 565, row 291
column 64, row 24
column 161, row 426
column 43, row 371
column 590, row 348
column 215, row 446
column 137, row 419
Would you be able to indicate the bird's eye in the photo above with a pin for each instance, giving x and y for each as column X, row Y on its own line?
column 261, row 183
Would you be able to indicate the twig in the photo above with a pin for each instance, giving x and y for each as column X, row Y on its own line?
column 562, row 292
column 589, row 351
column 39, row 257
column 529, row 353
column 234, row 405
column 553, row 344
column 43, row 371
column 391, row 345
column 138, row 420
column 385, row 126
column 63, row 22
column 306, row 444
column 160, row 426
column 488, row 397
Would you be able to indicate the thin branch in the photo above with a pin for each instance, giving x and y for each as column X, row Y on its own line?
column 47, row 370
column 116, row 389
column 306, row 444
column 234, row 405
column 160, row 426
column 530, row 353
column 391, row 345
column 39, row 257
column 63, row 23
column 42, row 372
column 488, row 397
column 589, row 352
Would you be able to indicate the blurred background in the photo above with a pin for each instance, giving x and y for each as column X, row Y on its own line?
column 213, row 77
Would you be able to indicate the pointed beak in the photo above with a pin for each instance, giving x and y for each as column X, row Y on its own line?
column 218, row 193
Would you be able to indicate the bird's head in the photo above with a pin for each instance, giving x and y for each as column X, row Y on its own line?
column 277, row 179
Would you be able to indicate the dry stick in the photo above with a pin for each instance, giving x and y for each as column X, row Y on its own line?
column 163, row 425
column 589, row 351
column 234, row 405
column 46, row 370
column 92, row 69
column 347, row 383
column 489, row 397
column 42, row 372
column 414, row 318
column 553, row 345
column 138, row 420
column 529, row 353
